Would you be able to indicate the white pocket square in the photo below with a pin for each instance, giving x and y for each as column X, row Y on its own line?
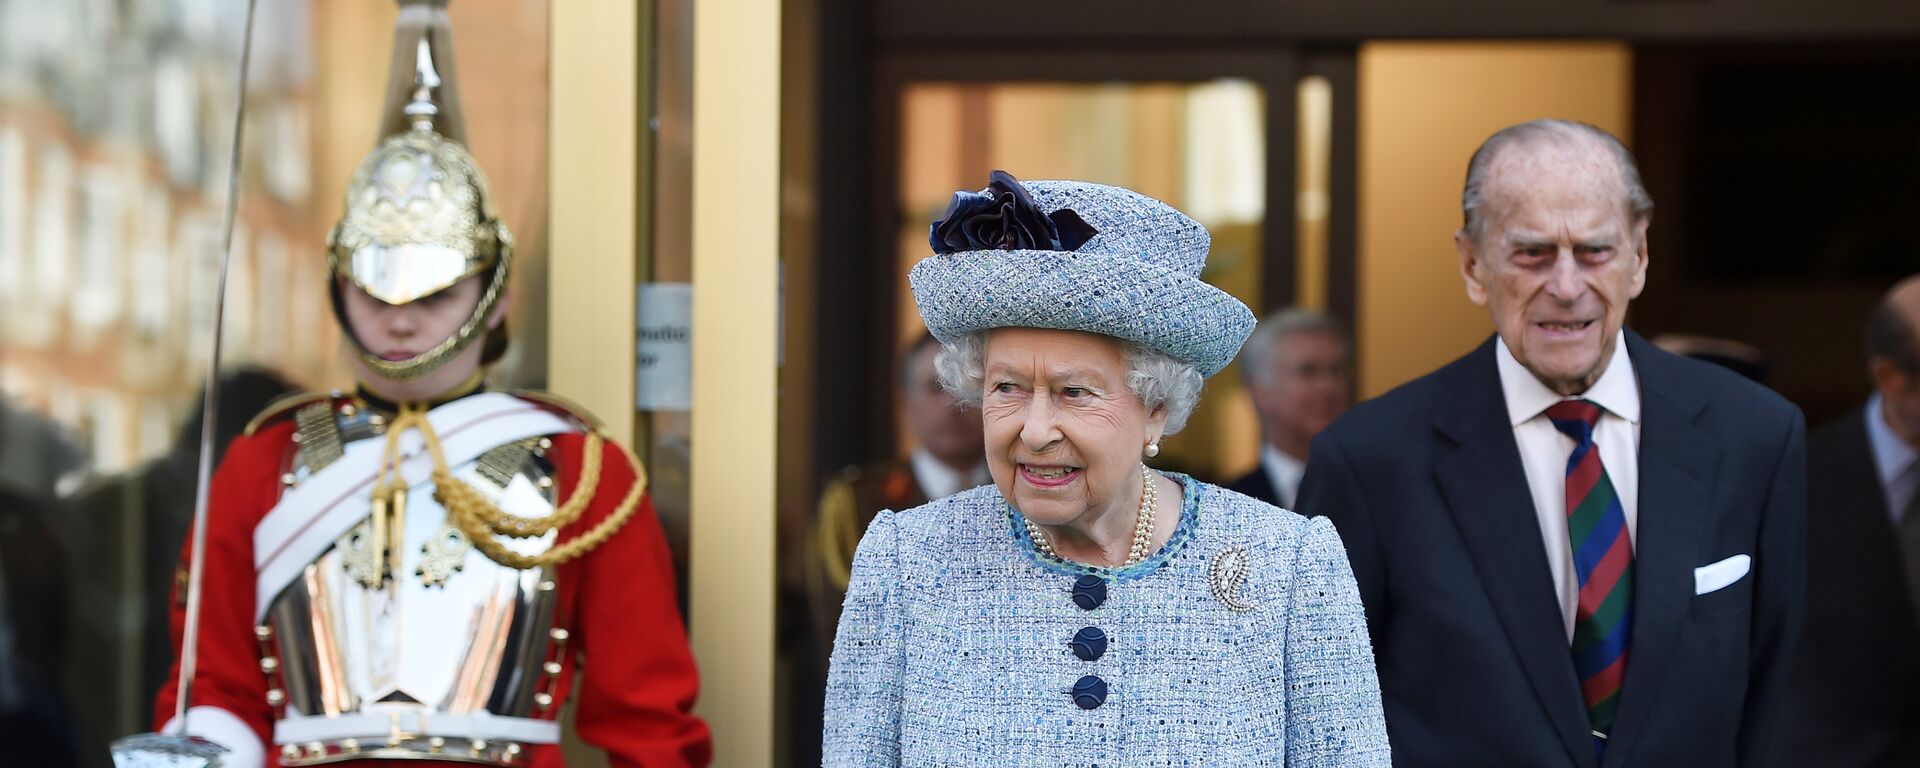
column 1708, row 578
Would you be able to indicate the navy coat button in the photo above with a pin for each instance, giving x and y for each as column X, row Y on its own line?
column 1089, row 591
column 1090, row 692
column 1089, row 643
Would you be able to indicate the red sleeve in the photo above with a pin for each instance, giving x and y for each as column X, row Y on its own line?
column 244, row 488
column 638, row 680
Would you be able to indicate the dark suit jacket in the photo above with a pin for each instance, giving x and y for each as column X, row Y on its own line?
column 32, row 581
column 1851, row 698
column 1257, row 485
column 1426, row 487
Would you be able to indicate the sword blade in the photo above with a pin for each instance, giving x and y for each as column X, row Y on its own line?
column 190, row 640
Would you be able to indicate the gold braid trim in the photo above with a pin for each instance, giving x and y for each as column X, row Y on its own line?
column 482, row 521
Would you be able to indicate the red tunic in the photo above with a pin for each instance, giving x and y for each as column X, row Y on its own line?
column 616, row 601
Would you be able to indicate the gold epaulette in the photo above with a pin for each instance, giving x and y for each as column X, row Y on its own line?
column 837, row 529
column 568, row 407
column 287, row 405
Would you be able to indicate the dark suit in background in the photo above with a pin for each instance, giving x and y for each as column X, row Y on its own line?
column 1428, row 490
column 36, row 721
column 1255, row 484
column 1852, row 696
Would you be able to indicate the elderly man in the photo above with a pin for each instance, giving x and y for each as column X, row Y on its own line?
column 1575, row 549
column 1850, row 701
column 1296, row 367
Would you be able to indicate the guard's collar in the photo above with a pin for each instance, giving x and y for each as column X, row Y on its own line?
column 474, row 385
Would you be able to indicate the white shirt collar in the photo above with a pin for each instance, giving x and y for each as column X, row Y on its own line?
column 1617, row 391
column 940, row 481
column 1283, row 472
column 1892, row 457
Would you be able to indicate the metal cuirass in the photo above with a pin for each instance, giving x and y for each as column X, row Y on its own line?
column 432, row 651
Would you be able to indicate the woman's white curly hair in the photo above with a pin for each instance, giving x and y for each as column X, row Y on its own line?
column 1154, row 377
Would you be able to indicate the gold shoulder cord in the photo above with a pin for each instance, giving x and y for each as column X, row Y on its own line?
column 481, row 520
column 838, row 532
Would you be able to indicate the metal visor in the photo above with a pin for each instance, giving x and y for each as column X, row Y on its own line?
column 398, row 274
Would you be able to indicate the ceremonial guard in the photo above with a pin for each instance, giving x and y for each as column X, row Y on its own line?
column 421, row 570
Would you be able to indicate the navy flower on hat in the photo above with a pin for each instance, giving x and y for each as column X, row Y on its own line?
column 1004, row 217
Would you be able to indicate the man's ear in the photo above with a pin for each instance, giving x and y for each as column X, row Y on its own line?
column 1470, row 266
column 1640, row 258
column 1888, row 379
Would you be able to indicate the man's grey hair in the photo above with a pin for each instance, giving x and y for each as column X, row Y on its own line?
column 1262, row 350
column 911, row 355
column 1566, row 132
column 1155, row 377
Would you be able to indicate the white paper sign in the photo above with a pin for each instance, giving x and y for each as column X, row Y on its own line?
column 663, row 380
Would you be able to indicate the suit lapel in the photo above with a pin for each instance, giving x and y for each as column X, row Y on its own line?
column 1677, row 467
column 1479, row 471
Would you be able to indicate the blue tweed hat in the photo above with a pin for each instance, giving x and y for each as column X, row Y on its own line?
column 1075, row 256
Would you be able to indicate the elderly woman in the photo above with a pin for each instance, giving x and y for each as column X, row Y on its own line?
column 1085, row 609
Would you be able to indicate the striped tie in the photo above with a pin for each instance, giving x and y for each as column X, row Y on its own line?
column 1603, row 561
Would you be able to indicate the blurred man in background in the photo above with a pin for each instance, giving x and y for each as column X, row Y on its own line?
column 1297, row 367
column 950, row 458
column 1850, row 701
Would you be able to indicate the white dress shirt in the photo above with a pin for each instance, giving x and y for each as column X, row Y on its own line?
column 940, row 481
column 1897, row 463
column 1283, row 473
column 1544, row 451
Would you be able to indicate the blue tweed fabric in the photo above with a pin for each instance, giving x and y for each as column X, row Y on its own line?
column 953, row 647
column 1138, row 280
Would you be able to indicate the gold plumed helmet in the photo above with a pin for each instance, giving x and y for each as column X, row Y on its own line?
column 419, row 217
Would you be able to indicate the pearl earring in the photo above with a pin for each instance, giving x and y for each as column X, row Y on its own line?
column 1153, row 449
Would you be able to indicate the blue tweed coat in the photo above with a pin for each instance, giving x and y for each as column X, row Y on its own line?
column 960, row 645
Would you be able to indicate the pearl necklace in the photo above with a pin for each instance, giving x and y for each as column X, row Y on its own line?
column 1142, row 525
